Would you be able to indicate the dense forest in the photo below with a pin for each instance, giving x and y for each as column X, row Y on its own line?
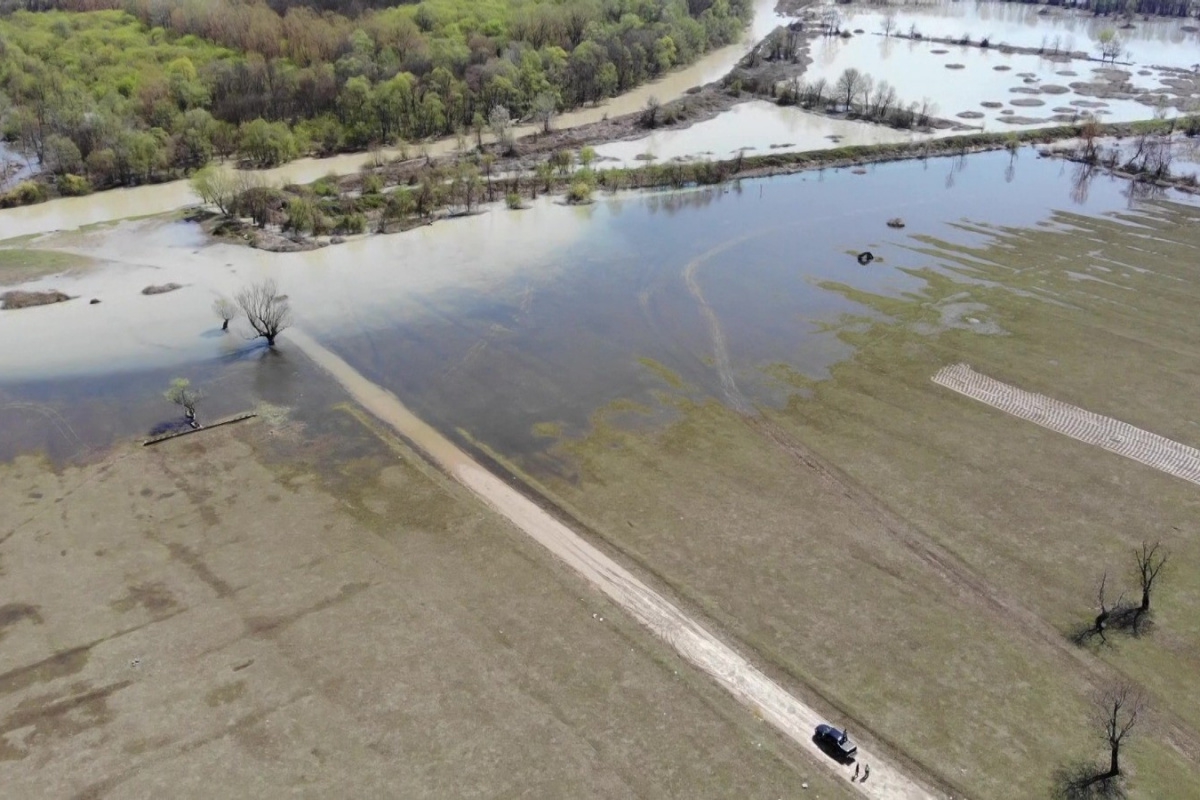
column 114, row 92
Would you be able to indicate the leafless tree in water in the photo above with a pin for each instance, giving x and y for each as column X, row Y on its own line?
column 267, row 311
column 226, row 309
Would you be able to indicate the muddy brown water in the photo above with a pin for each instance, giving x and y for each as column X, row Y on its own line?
column 621, row 320
column 605, row 314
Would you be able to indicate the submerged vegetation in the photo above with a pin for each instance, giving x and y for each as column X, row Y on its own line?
column 109, row 92
column 392, row 197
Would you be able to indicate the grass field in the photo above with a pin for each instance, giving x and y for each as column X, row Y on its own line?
column 915, row 560
column 287, row 608
column 18, row 265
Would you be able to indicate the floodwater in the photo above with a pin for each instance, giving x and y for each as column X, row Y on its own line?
column 918, row 73
column 74, row 212
column 555, row 351
column 1156, row 41
column 361, row 283
column 501, row 322
column 756, row 127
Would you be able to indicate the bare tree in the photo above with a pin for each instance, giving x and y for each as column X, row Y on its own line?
column 882, row 99
column 817, row 90
column 864, row 92
column 1089, row 132
column 1151, row 558
column 927, row 109
column 889, row 23
column 831, row 20
column 849, row 84
column 226, row 309
column 1101, row 622
column 1118, row 709
column 268, row 312
column 183, row 395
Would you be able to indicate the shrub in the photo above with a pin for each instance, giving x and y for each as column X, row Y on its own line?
column 321, row 225
column 301, row 215
column 73, row 185
column 372, row 184
column 351, row 223
column 580, row 192
column 513, row 199
column 370, row 202
column 23, row 194
column 326, row 187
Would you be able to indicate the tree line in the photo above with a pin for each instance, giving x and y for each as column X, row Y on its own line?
column 156, row 88
column 856, row 92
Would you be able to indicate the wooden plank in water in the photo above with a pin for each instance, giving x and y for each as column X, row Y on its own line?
column 177, row 434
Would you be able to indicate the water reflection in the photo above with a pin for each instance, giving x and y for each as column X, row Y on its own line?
column 756, row 128
column 498, row 323
column 70, row 213
column 623, row 316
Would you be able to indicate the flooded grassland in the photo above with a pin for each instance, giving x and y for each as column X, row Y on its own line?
column 765, row 441
column 299, row 603
column 716, row 390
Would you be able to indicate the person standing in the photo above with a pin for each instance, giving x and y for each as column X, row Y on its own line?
column 866, row 772
column 857, row 767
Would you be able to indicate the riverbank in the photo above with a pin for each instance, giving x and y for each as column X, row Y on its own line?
column 397, row 197
column 705, row 67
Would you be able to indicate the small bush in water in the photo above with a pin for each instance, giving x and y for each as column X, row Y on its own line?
column 580, row 192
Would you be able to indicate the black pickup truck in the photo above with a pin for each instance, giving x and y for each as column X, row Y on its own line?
column 836, row 743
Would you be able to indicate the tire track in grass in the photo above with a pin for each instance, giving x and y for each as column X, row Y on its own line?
column 749, row 685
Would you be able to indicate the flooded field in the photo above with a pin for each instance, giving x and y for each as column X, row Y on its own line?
column 504, row 300
column 714, row 388
column 1022, row 90
column 1153, row 41
column 73, row 212
column 754, row 128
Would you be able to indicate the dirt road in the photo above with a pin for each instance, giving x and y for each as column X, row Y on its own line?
column 732, row 671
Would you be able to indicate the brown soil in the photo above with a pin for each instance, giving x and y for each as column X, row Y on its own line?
column 991, row 104
column 956, row 66
column 1027, row 102
column 970, row 115
column 17, row 299
column 1054, row 88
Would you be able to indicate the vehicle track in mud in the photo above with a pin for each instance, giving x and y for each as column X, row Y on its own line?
column 1167, row 455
